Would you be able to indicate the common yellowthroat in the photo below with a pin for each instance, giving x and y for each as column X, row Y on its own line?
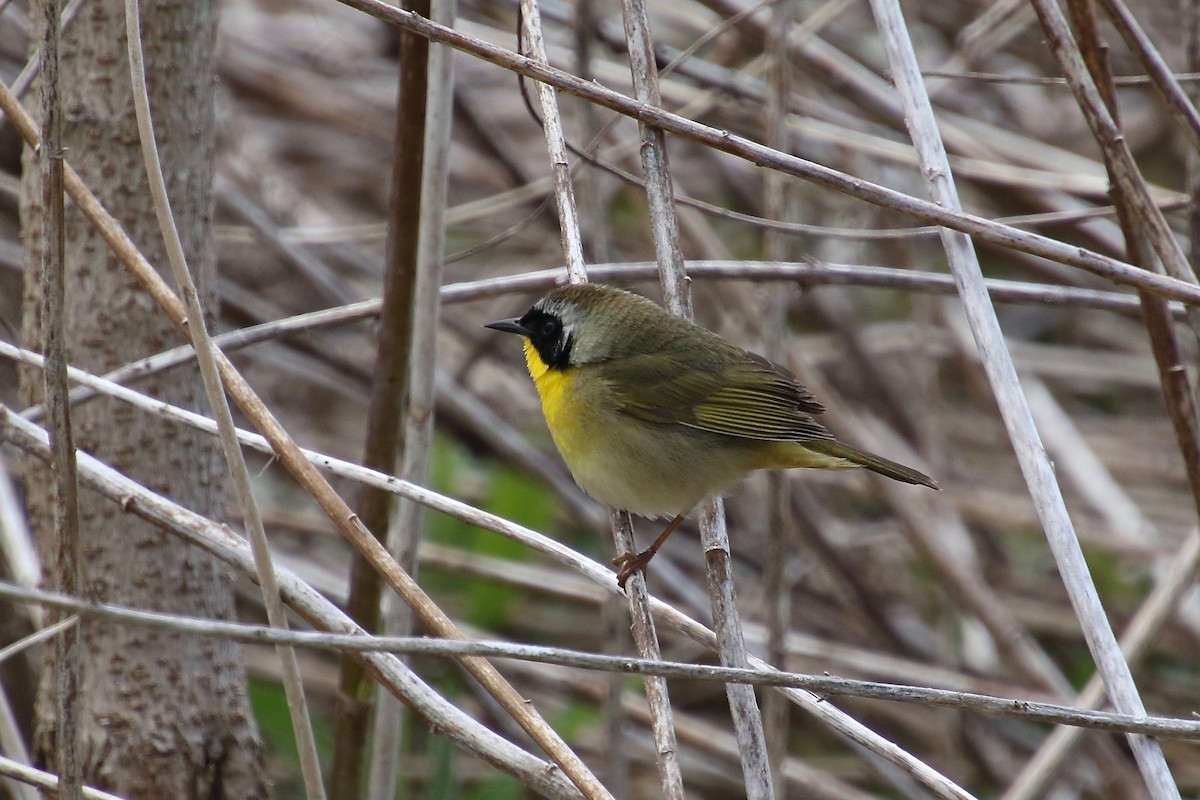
column 652, row 412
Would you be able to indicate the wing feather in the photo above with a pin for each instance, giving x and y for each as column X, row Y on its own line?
column 721, row 389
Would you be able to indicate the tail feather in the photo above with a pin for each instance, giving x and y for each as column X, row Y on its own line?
column 879, row 464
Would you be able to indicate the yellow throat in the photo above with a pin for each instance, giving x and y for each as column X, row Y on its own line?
column 554, row 389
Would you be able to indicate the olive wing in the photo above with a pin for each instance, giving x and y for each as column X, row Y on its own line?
column 735, row 394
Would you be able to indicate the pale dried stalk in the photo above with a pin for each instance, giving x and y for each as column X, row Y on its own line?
column 655, row 168
column 45, row 780
column 816, row 705
column 36, row 638
column 405, row 526
column 560, row 167
column 1168, row 727
column 645, row 640
column 743, row 705
column 978, row 227
column 291, row 457
column 68, row 568
column 309, row 604
column 641, row 620
column 197, row 329
column 731, row 645
column 1014, row 409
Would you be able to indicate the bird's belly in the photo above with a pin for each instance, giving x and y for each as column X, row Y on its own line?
column 649, row 469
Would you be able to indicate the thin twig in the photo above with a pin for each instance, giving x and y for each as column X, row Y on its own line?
column 641, row 620
column 405, row 525
column 1014, row 409
column 46, row 780
column 672, row 278
column 723, row 141
column 1032, row 711
column 291, row 457
column 560, row 168
column 747, row 719
column 68, row 566
column 37, row 637
column 601, row 575
column 197, row 328
column 309, row 604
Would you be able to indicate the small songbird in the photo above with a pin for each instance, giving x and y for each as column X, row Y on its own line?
column 652, row 413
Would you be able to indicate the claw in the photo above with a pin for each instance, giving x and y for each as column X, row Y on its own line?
column 630, row 564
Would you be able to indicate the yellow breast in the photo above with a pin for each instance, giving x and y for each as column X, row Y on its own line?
column 562, row 417
column 649, row 469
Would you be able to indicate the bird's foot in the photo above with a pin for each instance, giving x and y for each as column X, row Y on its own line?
column 630, row 563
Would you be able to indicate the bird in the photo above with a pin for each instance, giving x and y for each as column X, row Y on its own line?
column 652, row 412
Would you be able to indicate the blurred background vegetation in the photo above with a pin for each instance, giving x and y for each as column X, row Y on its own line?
column 877, row 580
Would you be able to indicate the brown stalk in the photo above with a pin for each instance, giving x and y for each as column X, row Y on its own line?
column 66, row 554
column 1168, row 353
column 389, row 389
column 743, row 705
column 307, row 475
column 1164, row 341
column 978, row 227
column 779, row 553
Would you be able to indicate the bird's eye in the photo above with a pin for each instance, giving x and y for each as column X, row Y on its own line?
column 550, row 328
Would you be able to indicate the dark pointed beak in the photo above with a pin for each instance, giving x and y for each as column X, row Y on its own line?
column 509, row 326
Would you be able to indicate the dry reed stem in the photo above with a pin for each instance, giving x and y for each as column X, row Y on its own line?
column 641, row 622
column 406, row 527
column 307, row 475
column 982, row 229
column 560, row 169
column 815, row 705
column 309, row 604
column 66, row 549
column 29, row 776
column 197, row 329
column 672, row 274
column 1002, row 376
